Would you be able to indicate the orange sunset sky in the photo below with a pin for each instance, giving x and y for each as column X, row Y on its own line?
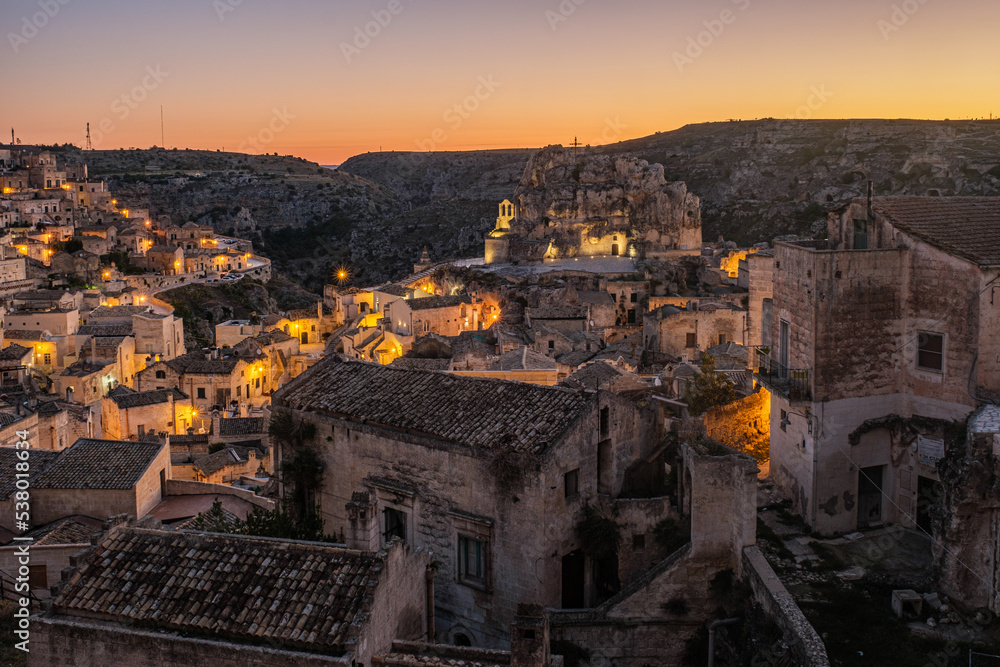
column 295, row 77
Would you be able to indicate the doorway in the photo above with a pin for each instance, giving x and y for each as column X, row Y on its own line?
column 614, row 250
column 573, row 580
column 929, row 492
column 870, row 496
column 305, row 338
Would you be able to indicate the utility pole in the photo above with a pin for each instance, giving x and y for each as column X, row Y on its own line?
column 90, row 146
column 162, row 141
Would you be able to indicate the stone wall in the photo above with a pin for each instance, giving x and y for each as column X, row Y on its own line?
column 760, row 280
column 62, row 642
column 529, row 522
column 780, row 606
column 744, row 425
column 178, row 487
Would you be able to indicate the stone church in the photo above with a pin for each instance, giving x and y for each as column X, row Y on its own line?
column 573, row 203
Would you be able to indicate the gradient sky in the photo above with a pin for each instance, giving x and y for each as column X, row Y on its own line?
column 276, row 71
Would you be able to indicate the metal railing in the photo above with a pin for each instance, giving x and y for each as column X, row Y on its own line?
column 792, row 383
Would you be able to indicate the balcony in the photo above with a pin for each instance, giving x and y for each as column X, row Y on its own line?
column 791, row 383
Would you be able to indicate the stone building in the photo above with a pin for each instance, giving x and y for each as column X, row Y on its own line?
column 210, row 378
column 166, row 260
column 283, row 603
column 691, row 331
column 879, row 338
column 492, row 476
column 83, row 480
column 571, row 203
column 128, row 414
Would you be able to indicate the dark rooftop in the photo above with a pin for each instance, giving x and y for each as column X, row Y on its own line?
column 299, row 595
column 98, row 464
column 242, row 426
column 967, row 227
column 475, row 412
column 431, row 302
column 140, row 399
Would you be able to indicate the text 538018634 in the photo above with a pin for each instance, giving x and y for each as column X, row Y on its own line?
column 22, row 519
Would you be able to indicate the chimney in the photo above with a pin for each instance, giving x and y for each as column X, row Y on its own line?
column 216, row 423
column 529, row 637
column 362, row 529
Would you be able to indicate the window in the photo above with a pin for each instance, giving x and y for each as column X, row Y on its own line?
column 552, row 345
column 471, row 561
column 861, row 235
column 239, row 391
column 723, row 339
column 635, row 297
column 162, row 375
column 605, row 422
column 201, row 392
column 930, row 351
column 47, row 359
column 38, row 576
column 571, row 483
column 395, row 524
column 692, row 340
column 639, row 542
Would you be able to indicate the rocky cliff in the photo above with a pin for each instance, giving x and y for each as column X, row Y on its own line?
column 585, row 201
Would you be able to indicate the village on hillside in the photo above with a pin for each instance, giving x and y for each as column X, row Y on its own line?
column 604, row 441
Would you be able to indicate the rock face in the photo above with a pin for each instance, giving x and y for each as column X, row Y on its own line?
column 577, row 203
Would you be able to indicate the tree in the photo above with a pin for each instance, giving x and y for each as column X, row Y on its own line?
column 708, row 388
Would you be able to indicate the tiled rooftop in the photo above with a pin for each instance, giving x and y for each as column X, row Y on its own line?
column 431, row 302
column 14, row 352
column 69, row 530
column 298, row 595
column 103, row 312
column 242, row 426
column 964, row 226
column 38, row 461
column 474, row 412
column 195, row 363
column 231, row 455
column 98, row 464
column 105, row 330
column 125, row 401
column 34, row 335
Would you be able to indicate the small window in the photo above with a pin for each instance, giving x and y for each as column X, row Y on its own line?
column 930, row 351
column 723, row 339
column 38, row 576
column 635, row 297
column 395, row 524
column 471, row 561
column 161, row 375
column 201, row 392
column 571, row 483
column 239, row 391
column 692, row 340
column 552, row 345
column 639, row 542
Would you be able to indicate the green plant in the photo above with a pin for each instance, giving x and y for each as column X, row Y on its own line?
column 708, row 388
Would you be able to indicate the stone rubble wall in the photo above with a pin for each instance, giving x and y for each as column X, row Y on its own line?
column 780, row 606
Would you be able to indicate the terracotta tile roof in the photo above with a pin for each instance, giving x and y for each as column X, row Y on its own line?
column 106, row 312
column 231, row 455
column 98, row 464
column 431, row 302
column 140, row 399
column 967, row 227
column 524, row 359
column 205, row 521
column 38, row 461
column 69, row 530
column 84, row 368
column 34, row 335
column 310, row 597
column 195, row 363
column 475, row 412
column 105, row 330
column 422, row 364
column 577, row 357
column 414, row 654
column 242, row 426
column 604, row 375
column 303, row 314
column 14, row 352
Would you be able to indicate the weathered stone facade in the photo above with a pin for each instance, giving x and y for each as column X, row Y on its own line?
column 571, row 203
